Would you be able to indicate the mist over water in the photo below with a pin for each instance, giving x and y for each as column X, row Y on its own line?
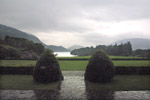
column 64, row 54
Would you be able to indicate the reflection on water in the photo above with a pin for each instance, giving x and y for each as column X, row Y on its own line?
column 98, row 95
column 73, row 88
column 48, row 94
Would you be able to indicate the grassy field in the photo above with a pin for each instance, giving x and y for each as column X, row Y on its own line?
column 81, row 65
column 72, row 65
column 112, row 57
column 120, row 82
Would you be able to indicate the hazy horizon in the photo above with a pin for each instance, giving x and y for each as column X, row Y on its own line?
column 78, row 22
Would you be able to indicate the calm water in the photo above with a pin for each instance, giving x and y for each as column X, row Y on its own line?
column 73, row 87
column 64, row 54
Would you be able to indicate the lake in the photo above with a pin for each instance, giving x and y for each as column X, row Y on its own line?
column 64, row 54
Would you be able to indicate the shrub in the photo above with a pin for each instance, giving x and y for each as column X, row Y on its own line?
column 100, row 68
column 47, row 69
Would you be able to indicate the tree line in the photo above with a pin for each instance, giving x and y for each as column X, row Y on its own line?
column 142, row 53
column 116, row 50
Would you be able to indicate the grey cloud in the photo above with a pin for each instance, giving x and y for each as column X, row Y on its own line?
column 97, row 39
column 133, row 35
column 52, row 15
column 119, row 10
column 76, row 17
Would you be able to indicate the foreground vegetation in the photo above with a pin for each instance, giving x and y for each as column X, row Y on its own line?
column 120, row 82
column 71, row 65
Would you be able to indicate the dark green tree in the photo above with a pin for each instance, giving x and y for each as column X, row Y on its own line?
column 127, row 49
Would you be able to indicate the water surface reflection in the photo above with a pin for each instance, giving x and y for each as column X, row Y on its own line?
column 93, row 94
column 48, row 94
column 75, row 88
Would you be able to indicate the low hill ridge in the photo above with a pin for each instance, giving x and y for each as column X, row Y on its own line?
column 75, row 47
column 137, row 43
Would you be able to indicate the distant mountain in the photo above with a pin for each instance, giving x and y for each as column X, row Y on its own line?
column 137, row 43
column 75, row 47
column 13, row 32
column 5, row 30
column 58, row 48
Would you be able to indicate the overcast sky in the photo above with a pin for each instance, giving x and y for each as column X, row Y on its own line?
column 81, row 22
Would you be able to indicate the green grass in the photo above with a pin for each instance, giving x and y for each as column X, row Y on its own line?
column 135, row 63
column 120, row 82
column 23, row 82
column 76, row 57
column 72, row 65
column 81, row 65
column 80, row 57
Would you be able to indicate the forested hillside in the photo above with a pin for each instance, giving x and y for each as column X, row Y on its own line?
column 12, row 47
column 12, row 32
